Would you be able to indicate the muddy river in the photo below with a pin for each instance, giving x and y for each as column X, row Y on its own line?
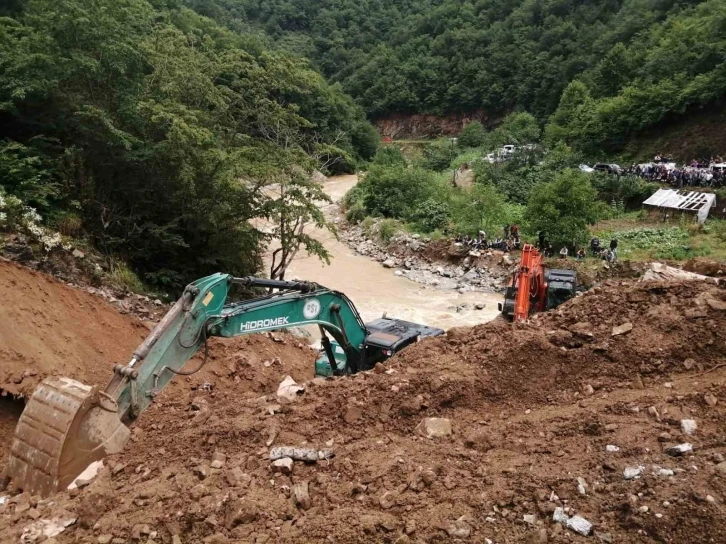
column 376, row 290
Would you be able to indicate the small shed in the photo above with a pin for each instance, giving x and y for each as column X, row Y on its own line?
column 687, row 201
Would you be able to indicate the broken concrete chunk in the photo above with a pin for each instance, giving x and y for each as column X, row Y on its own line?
column 458, row 529
column 680, row 449
column 434, row 427
column 302, row 495
column 559, row 515
column 289, row 389
column 710, row 399
column 300, row 454
column 688, row 426
column 580, row 525
column 631, row 473
column 283, row 466
column 622, row 329
column 611, row 448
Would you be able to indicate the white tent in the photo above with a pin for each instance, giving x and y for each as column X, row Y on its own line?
column 691, row 201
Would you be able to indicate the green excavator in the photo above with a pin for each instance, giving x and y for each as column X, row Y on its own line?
column 67, row 425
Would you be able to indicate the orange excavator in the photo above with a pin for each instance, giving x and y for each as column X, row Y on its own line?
column 536, row 288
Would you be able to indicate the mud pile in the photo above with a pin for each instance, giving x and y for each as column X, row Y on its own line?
column 576, row 410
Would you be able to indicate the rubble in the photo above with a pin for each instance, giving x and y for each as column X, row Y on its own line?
column 689, row 426
column 434, row 427
column 680, row 449
column 299, row 454
column 632, row 473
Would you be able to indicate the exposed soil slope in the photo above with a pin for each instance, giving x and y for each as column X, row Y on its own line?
column 532, row 410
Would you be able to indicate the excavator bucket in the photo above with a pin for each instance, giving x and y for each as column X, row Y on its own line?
column 65, row 427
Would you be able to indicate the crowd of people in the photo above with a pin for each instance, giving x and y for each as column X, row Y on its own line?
column 695, row 174
column 509, row 241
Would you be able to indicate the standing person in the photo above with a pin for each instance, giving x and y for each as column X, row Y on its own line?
column 541, row 244
column 506, row 231
column 614, row 249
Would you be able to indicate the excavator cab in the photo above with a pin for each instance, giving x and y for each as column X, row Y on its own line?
column 386, row 336
column 561, row 286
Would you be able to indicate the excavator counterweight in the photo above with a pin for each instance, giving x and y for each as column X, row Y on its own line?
column 67, row 425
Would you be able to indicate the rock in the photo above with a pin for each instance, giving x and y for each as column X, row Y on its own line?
column 605, row 538
column 588, row 390
column 689, row 364
column 529, row 519
column 219, row 456
column 653, row 412
column 283, row 466
column 410, row 527
column 289, row 389
column 479, row 306
column 632, row 473
column 176, row 539
column 710, row 498
column 581, row 486
column 198, row 491
column 398, row 273
column 622, row 329
column 302, row 495
column 387, row 500
column 710, row 399
column 688, row 426
column 458, row 529
column 664, row 472
column 580, row 525
column 611, row 427
column 664, row 437
column 434, row 427
column 300, row 454
column 721, row 467
column 78, row 254
column 559, row 515
column 217, row 464
column 353, row 413
column 389, row 263
column 680, row 449
column 479, row 440
column 104, row 539
column 239, row 512
column 612, row 449
column 412, row 406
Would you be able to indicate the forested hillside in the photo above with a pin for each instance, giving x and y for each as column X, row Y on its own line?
column 152, row 132
column 636, row 62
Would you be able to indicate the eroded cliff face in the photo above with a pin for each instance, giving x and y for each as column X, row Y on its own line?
column 424, row 125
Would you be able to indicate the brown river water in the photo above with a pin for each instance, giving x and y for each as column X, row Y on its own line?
column 375, row 290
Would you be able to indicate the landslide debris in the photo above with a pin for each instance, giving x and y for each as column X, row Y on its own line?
column 532, row 433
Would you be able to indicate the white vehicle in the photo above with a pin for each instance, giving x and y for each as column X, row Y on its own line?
column 490, row 158
column 507, row 150
column 718, row 167
column 587, row 169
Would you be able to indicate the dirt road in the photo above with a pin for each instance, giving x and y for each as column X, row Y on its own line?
column 375, row 289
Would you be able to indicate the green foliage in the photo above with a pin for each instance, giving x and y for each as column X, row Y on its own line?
column 438, row 155
column 120, row 275
column 472, row 135
column 396, row 191
column 161, row 130
column 389, row 155
column 356, row 213
column 563, row 208
column 664, row 239
column 519, row 128
column 631, row 191
column 431, row 215
column 387, row 229
column 480, row 208
column 661, row 73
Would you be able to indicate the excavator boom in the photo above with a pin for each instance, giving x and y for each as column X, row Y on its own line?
column 67, row 425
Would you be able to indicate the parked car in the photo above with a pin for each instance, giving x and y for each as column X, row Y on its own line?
column 587, row 169
column 609, row 168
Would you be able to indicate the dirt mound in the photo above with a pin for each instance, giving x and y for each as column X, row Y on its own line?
column 47, row 327
column 544, row 415
column 706, row 267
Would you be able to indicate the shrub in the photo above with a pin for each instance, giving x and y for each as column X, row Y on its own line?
column 395, row 191
column 431, row 215
column 122, row 276
column 389, row 155
column 387, row 229
column 356, row 213
column 472, row 135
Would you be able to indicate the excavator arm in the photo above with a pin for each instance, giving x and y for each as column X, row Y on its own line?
column 67, row 425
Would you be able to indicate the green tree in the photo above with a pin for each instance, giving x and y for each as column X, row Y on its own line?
column 472, row 135
column 396, row 191
column 563, row 208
